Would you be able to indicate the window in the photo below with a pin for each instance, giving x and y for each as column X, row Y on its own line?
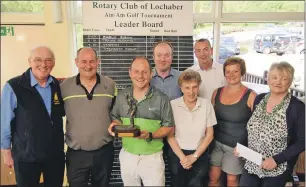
column 202, row 6
column 262, row 6
column 267, row 38
column 258, row 38
column 261, row 44
column 227, row 40
column 22, row 6
column 284, row 39
column 79, row 35
column 242, row 34
column 203, row 30
column 77, row 11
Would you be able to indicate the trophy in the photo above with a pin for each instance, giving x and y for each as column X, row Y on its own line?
column 128, row 130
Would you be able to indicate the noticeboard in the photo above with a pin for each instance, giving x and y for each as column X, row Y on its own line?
column 126, row 29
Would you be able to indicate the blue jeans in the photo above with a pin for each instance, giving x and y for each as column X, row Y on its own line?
column 250, row 180
column 195, row 177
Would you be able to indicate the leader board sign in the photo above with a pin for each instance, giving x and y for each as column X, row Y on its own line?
column 121, row 30
column 158, row 18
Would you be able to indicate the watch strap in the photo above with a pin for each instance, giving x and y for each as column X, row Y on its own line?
column 150, row 137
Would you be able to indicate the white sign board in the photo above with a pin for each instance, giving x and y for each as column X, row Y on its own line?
column 150, row 18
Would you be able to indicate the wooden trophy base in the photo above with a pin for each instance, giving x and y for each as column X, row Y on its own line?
column 126, row 131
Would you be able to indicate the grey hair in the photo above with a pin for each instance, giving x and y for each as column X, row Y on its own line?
column 189, row 75
column 38, row 47
column 79, row 50
column 283, row 66
column 203, row 40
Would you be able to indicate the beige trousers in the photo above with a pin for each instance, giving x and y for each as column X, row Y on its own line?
column 150, row 169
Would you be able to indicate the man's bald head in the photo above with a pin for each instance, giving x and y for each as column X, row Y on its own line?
column 87, row 62
column 141, row 58
column 87, row 49
column 41, row 61
column 41, row 49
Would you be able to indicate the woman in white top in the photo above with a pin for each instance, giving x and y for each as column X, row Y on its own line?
column 194, row 119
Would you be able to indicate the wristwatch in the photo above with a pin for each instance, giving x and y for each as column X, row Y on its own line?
column 150, row 137
column 195, row 156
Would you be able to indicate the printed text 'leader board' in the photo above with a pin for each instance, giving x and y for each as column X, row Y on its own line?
column 121, row 30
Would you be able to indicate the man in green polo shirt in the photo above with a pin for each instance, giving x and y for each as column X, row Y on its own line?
column 141, row 158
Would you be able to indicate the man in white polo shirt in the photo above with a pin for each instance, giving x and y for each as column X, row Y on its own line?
column 194, row 119
column 211, row 72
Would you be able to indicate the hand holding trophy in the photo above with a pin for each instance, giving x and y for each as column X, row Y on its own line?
column 127, row 130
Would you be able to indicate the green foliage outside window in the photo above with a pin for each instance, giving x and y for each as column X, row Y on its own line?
column 251, row 6
column 22, row 6
column 79, row 32
column 263, row 6
column 201, row 6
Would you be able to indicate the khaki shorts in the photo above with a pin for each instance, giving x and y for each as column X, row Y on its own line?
column 223, row 156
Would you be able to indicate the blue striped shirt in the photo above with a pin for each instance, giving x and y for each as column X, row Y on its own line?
column 168, row 85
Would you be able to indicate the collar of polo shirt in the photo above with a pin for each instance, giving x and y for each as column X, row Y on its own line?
column 155, row 72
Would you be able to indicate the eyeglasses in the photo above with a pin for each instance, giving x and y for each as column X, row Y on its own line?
column 40, row 61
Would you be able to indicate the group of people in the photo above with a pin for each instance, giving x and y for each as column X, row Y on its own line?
column 200, row 113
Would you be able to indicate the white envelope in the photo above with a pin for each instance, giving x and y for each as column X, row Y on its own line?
column 249, row 154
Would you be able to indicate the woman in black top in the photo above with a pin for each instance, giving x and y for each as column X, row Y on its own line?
column 233, row 108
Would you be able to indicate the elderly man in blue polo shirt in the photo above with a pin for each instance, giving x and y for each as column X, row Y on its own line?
column 32, row 138
column 164, row 77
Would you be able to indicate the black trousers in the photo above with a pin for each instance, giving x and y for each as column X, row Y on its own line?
column 166, row 148
column 250, row 180
column 194, row 177
column 93, row 167
column 28, row 173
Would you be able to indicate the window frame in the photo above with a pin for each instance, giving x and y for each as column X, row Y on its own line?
column 23, row 17
column 8, row 18
column 217, row 17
